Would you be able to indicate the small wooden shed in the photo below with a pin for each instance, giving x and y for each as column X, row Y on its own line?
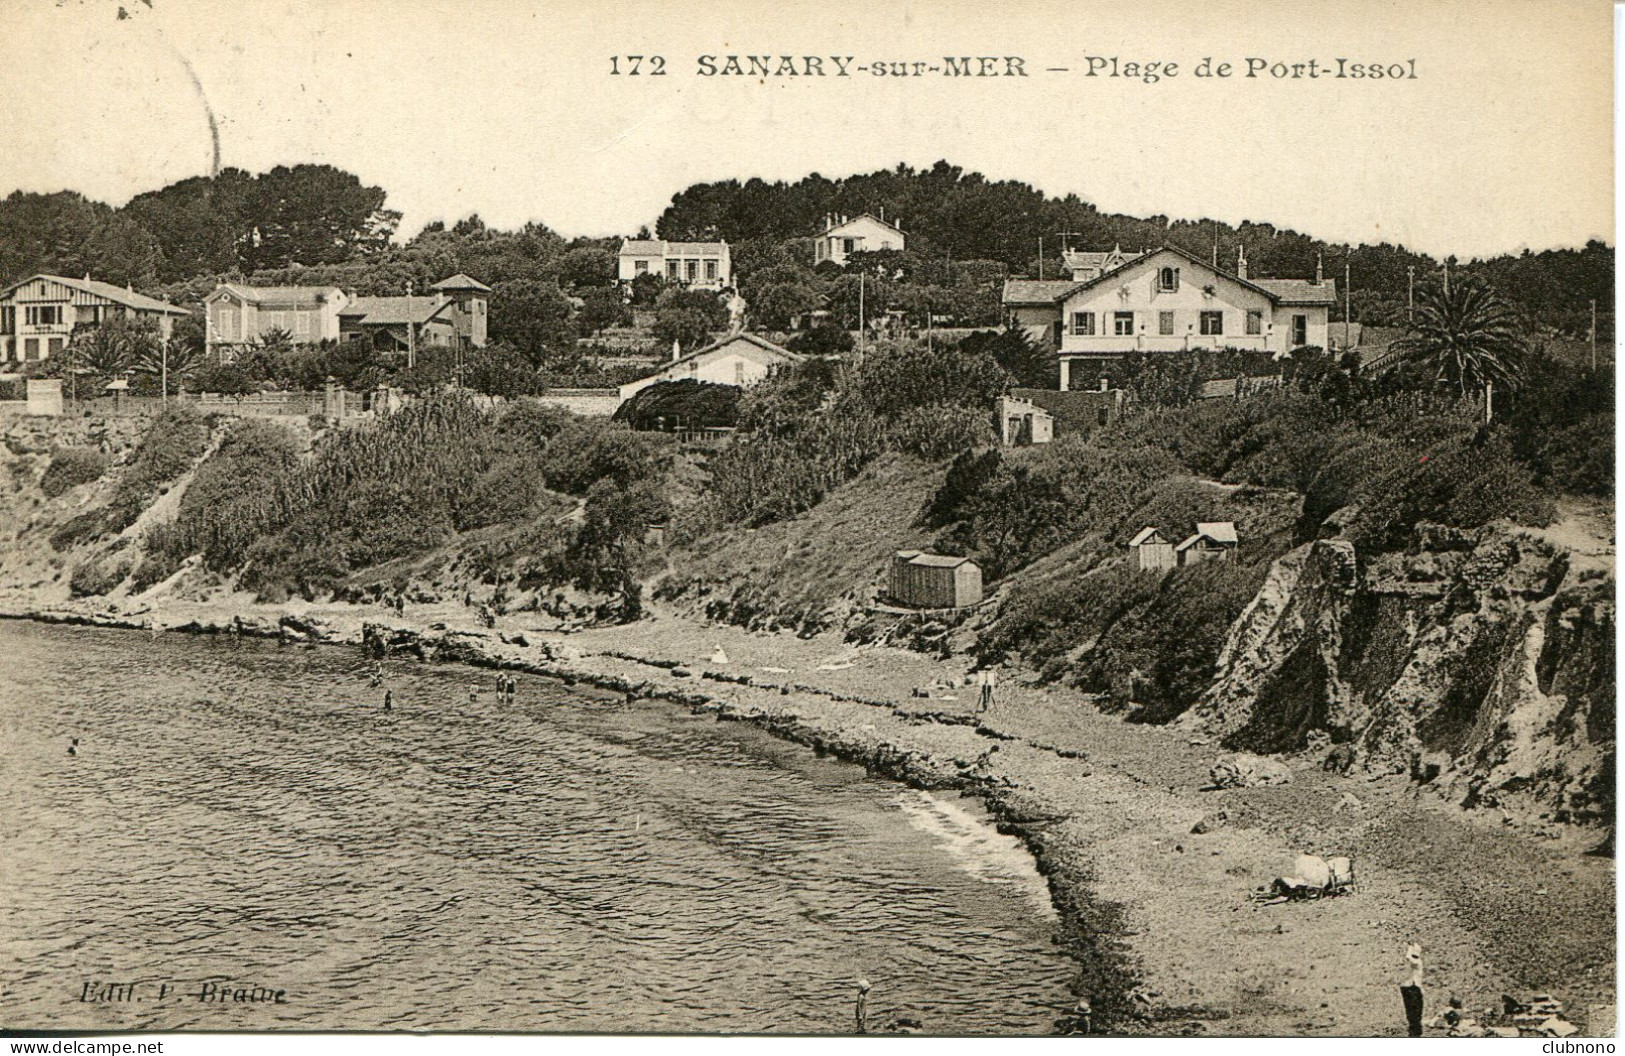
column 1214, row 540
column 933, row 581
column 1154, row 550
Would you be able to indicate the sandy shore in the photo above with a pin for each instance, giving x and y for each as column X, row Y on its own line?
column 1158, row 916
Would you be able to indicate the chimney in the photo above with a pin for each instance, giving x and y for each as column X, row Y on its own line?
column 1241, row 262
column 1104, row 384
column 676, row 351
column 1320, row 271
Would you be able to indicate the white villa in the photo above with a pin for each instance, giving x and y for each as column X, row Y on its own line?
column 1169, row 300
column 740, row 359
column 842, row 236
column 703, row 265
column 39, row 314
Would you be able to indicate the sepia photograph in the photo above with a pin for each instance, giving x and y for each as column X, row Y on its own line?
column 552, row 517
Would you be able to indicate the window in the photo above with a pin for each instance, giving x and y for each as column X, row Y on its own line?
column 710, row 271
column 674, row 270
column 1300, row 330
column 739, row 373
column 1212, row 323
column 640, row 267
column 44, row 314
column 1165, row 323
column 1168, row 279
column 849, row 245
column 30, row 348
column 1255, row 322
column 1083, row 324
column 885, row 244
column 55, row 345
column 1123, row 324
column 8, row 320
column 693, row 267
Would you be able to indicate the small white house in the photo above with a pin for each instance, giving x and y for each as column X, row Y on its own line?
column 1022, row 422
column 702, row 265
column 741, row 359
column 843, row 236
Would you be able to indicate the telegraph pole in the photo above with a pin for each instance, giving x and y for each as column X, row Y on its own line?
column 1410, row 293
column 861, row 329
column 411, row 332
column 1040, row 258
column 1593, row 333
column 1348, row 303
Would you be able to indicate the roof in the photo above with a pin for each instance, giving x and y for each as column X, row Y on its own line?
column 1218, row 388
column 116, row 294
column 293, row 296
column 908, row 555
column 1084, row 258
column 392, row 311
column 938, row 561
column 461, row 281
column 654, row 247
column 1297, row 291
column 854, row 219
column 760, row 342
column 1279, row 291
column 1036, row 291
column 1218, row 531
column 1147, row 535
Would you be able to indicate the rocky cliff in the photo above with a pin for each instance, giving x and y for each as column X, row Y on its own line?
column 1480, row 662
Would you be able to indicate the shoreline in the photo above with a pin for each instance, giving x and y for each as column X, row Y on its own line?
column 1148, row 874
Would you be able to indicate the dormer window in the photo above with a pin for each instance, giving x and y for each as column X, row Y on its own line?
column 1168, row 280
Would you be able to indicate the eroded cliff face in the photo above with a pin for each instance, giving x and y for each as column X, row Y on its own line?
column 1480, row 663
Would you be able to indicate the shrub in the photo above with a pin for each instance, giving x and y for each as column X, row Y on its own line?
column 686, row 403
column 71, row 467
column 171, row 445
column 97, row 576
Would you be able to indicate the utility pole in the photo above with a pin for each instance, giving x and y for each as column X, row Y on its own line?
column 163, row 369
column 861, row 329
column 1593, row 333
column 411, row 332
column 1348, row 303
column 1410, row 293
column 1040, row 258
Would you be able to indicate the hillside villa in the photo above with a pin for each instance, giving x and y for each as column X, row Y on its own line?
column 40, row 314
column 1168, row 300
column 741, row 359
column 703, row 265
column 454, row 315
column 842, row 236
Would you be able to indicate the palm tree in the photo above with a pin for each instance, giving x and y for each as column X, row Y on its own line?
column 1469, row 335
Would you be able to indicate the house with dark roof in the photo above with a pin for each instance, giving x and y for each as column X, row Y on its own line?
column 843, row 236
column 703, row 265
column 1169, row 300
column 741, row 359
column 40, row 314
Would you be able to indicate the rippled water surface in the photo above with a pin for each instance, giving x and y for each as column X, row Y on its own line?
column 238, row 811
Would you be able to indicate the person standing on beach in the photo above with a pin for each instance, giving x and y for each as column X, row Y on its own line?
column 1411, row 992
column 987, row 681
column 389, row 699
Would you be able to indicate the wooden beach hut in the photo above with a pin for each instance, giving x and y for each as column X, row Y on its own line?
column 1154, row 550
column 933, row 581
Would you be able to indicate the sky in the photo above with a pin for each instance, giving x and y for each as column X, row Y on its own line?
column 1502, row 141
